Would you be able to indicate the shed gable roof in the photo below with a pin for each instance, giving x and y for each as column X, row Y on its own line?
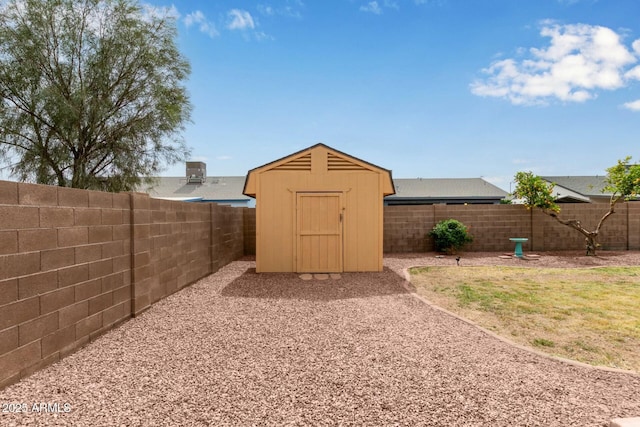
column 303, row 160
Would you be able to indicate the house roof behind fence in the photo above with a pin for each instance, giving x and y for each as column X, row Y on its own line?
column 446, row 188
column 213, row 188
column 585, row 185
column 231, row 188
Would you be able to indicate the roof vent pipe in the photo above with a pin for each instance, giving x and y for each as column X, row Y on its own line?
column 196, row 172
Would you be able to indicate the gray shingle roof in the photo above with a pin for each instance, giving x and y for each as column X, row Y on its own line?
column 585, row 185
column 214, row 188
column 438, row 188
column 231, row 187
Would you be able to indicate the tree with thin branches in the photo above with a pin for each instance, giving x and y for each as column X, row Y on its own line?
column 622, row 181
column 91, row 92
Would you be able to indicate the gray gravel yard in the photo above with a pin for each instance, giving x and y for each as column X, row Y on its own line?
column 238, row 348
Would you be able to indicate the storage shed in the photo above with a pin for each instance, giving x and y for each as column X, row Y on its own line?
column 319, row 211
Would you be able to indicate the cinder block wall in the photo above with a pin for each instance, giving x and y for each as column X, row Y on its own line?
column 490, row 225
column 75, row 263
column 172, row 247
column 406, row 228
column 64, row 272
column 227, row 243
column 249, row 230
column 633, row 226
column 550, row 235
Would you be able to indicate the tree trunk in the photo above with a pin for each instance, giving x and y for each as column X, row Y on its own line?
column 592, row 245
column 591, row 237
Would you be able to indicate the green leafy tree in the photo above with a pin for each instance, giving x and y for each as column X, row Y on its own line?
column 623, row 182
column 91, row 92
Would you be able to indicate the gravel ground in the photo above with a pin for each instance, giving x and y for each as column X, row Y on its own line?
column 238, row 348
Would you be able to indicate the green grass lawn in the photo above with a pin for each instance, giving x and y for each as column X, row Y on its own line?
column 586, row 314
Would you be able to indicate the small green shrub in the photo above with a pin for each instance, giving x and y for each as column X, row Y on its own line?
column 450, row 235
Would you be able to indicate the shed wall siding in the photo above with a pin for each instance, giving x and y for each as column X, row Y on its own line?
column 276, row 222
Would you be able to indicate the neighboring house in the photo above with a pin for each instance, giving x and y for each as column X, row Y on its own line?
column 451, row 191
column 579, row 189
column 196, row 186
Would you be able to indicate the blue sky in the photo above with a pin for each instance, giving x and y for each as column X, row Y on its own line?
column 426, row 88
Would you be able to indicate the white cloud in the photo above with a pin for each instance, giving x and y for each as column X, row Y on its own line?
column 205, row 26
column 633, row 106
column 237, row 20
column 372, row 7
column 260, row 36
column 240, row 20
column 193, row 17
column 633, row 73
column 579, row 60
column 266, row 10
column 391, row 4
column 290, row 9
column 377, row 8
column 160, row 11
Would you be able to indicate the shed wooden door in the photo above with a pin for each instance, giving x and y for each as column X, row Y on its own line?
column 319, row 232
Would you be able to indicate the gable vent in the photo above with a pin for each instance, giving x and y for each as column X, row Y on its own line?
column 302, row 163
column 335, row 163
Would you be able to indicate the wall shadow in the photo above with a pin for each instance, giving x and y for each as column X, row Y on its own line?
column 291, row 286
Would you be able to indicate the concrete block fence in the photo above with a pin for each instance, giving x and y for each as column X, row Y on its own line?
column 76, row 263
column 406, row 228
